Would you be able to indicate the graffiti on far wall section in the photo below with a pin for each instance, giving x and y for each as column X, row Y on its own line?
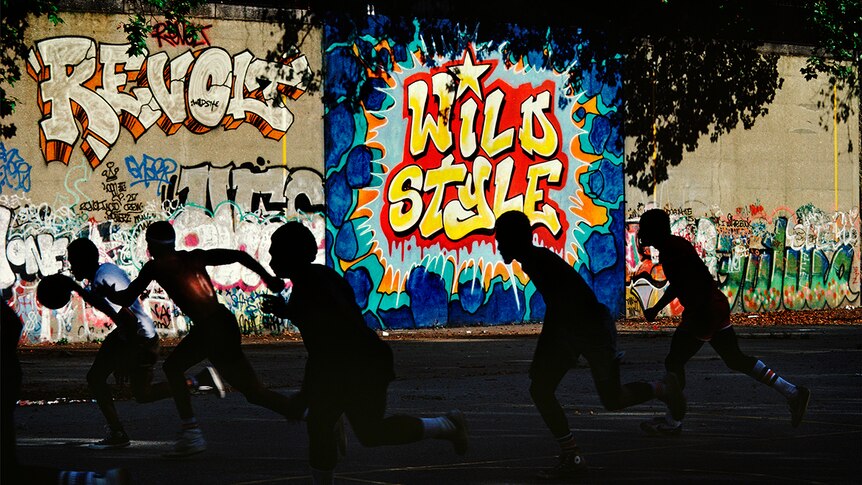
column 34, row 239
column 788, row 259
column 87, row 91
column 442, row 147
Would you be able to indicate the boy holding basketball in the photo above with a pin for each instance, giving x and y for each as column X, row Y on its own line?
column 129, row 351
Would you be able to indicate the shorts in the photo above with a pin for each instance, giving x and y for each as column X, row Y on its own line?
column 705, row 321
column 218, row 337
column 557, row 350
column 130, row 354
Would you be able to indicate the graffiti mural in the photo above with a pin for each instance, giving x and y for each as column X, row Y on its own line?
column 87, row 91
column 234, row 207
column 788, row 259
column 439, row 147
column 419, row 140
column 35, row 242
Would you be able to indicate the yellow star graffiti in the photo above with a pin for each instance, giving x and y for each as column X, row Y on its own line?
column 469, row 74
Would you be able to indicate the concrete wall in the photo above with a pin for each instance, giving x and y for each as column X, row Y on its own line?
column 402, row 186
column 774, row 211
column 210, row 136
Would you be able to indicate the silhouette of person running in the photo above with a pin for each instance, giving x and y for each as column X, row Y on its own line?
column 11, row 471
column 705, row 318
column 129, row 351
column 214, row 334
column 576, row 324
column 349, row 367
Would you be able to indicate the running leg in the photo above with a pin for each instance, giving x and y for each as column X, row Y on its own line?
column 141, row 376
column 97, row 380
column 365, row 409
column 323, row 413
column 726, row 344
column 239, row 374
column 605, row 369
column 683, row 346
column 189, row 352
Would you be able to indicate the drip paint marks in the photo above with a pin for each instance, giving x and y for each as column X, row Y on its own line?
column 424, row 153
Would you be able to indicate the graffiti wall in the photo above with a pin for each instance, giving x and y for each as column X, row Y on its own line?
column 436, row 148
column 417, row 142
column 206, row 133
column 773, row 211
column 763, row 261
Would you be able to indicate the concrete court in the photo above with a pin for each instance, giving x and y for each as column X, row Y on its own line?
column 736, row 430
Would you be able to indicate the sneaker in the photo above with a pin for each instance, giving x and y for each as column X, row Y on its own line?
column 341, row 436
column 209, row 381
column 115, row 439
column 570, row 465
column 459, row 438
column 798, row 405
column 190, row 442
column 660, row 427
column 674, row 398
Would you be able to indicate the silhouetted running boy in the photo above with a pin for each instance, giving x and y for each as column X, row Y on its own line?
column 705, row 318
column 214, row 334
column 130, row 350
column 576, row 324
column 349, row 368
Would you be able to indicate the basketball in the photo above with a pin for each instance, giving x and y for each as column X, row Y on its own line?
column 54, row 291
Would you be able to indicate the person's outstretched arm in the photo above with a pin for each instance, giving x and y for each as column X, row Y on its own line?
column 669, row 295
column 218, row 257
column 96, row 301
column 93, row 300
column 127, row 296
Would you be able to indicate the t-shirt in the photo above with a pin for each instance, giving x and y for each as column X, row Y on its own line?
column 687, row 273
column 571, row 306
column 110, row 274
column 323, row 307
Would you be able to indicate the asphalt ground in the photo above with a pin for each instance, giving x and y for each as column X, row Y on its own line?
column 736, row 430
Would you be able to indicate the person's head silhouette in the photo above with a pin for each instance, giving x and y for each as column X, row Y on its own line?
column 514, row 235
column 654, row 227
column 161, row 238
column 83, row 258
column 292, row 248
